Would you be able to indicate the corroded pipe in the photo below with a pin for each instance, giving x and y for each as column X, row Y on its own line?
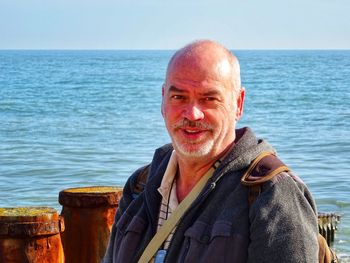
column 89, row 214
column 31, row 235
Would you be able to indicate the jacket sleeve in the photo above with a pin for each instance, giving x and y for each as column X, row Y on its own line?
column 283, row 223
column 128, row 196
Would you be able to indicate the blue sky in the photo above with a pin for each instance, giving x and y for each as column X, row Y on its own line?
column 165, row 24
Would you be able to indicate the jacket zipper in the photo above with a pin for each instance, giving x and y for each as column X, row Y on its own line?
column 187, row 247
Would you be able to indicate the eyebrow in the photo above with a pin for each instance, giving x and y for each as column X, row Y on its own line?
column 175, row 89
column 211, row 93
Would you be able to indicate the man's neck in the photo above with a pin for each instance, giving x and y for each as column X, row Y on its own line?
column 191, row 171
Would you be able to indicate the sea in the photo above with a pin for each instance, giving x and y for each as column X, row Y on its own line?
column 73, row 118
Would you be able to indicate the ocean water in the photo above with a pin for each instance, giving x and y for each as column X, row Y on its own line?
column 82, row 118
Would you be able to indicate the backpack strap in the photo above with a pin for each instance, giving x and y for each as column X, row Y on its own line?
column 264, row 167
column 140, row 181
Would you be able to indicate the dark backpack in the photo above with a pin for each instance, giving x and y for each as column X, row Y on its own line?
column 262, row 169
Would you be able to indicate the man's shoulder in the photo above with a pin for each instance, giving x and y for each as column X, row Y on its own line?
column 142, row 172
column 137, row 181
column 163, row 150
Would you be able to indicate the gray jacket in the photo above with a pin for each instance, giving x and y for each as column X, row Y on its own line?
column 280, row 226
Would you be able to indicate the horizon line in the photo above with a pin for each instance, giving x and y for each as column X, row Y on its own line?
column 169, row 50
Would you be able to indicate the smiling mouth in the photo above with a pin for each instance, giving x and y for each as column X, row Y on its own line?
column 190, row 133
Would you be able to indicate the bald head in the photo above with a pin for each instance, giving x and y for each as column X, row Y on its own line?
column 207, row 58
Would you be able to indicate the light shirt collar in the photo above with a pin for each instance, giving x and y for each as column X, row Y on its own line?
column 168, row 183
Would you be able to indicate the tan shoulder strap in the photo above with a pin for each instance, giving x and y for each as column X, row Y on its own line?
column 171, row 222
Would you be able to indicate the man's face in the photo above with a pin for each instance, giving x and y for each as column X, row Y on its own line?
column 200, row 108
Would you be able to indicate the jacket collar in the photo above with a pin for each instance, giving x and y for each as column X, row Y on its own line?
column 246, row 148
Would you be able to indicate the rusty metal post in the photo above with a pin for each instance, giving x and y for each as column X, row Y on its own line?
column 89, row 214
column 30, row 235
column 327, row 226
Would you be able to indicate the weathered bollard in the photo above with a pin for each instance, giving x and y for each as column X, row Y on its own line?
column 89, row 214
column 30, row 235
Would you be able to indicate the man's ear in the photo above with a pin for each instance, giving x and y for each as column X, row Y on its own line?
column 240, row 103
column 161, row 107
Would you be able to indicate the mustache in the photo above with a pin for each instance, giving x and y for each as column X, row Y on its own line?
column 186, row 123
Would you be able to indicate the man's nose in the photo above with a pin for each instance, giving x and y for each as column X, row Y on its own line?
column 193, row 112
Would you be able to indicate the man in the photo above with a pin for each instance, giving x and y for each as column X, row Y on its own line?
column 202, row 100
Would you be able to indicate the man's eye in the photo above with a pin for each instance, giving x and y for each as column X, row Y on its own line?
column 209, row 99
column 177, row 97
